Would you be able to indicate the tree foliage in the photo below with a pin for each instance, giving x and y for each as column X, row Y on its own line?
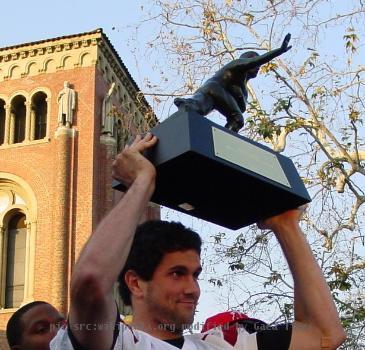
column 309, row 104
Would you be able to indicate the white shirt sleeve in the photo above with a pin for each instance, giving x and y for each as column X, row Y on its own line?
column 246, row 341
column 61, row 341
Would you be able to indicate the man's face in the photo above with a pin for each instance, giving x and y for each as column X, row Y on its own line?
column 172, row 294
column 40, row 325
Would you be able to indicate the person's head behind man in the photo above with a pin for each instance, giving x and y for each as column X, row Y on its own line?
column 33, row 326
column 160, row 276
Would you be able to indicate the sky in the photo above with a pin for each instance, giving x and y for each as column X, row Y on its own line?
column 38, row 19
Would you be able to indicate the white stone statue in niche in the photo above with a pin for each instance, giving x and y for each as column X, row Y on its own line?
column 108, row 113
column 66, row 105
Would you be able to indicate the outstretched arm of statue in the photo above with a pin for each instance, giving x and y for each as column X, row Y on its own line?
column 257, row 61
column 316, row 325
column 104, row 255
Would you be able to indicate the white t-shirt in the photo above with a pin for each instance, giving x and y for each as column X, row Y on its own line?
column 132, row 339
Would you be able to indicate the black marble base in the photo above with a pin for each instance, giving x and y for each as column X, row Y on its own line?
column 214, row 174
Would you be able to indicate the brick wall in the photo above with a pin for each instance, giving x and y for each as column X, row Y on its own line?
column 70, row 176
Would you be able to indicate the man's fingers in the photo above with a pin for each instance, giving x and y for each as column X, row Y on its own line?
column 149, row 138
column 140, row 144
column 148, row 141
column 136, row 140
column 292, row 214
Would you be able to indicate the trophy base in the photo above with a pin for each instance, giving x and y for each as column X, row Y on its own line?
column 209, row 172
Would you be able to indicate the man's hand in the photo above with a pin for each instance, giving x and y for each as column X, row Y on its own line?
column 130, row 163
column 287, row 218
column 284, row 45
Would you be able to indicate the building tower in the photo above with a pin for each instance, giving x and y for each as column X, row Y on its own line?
column 67, row 105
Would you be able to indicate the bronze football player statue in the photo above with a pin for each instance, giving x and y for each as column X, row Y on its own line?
column 226, row 91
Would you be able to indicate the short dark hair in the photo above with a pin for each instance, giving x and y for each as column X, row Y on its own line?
column 15, row 327
column 153, row 239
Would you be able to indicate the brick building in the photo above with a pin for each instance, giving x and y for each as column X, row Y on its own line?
column 66, row 106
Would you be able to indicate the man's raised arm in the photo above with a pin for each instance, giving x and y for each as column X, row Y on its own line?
column 316, row 325
column 93, row 310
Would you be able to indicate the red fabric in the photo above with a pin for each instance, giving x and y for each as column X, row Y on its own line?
column 223, row 318
column 227, row 320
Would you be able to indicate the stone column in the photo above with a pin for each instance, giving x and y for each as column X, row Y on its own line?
column 7, row 124
column 62, row 224
column 29, row 264
column 28, row 106
column 11, row 127
column 48, row 100
column 32, row 123
column 108, row 151
column 2, row 265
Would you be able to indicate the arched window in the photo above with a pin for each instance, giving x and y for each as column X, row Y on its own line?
column 39, row 116
column 18, row 114
column 15, row 261
column 17, row 241
column 2, row 121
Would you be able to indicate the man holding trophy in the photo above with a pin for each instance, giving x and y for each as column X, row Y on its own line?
column 164, row 305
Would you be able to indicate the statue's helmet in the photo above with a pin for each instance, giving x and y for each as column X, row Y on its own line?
column 249, row 54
